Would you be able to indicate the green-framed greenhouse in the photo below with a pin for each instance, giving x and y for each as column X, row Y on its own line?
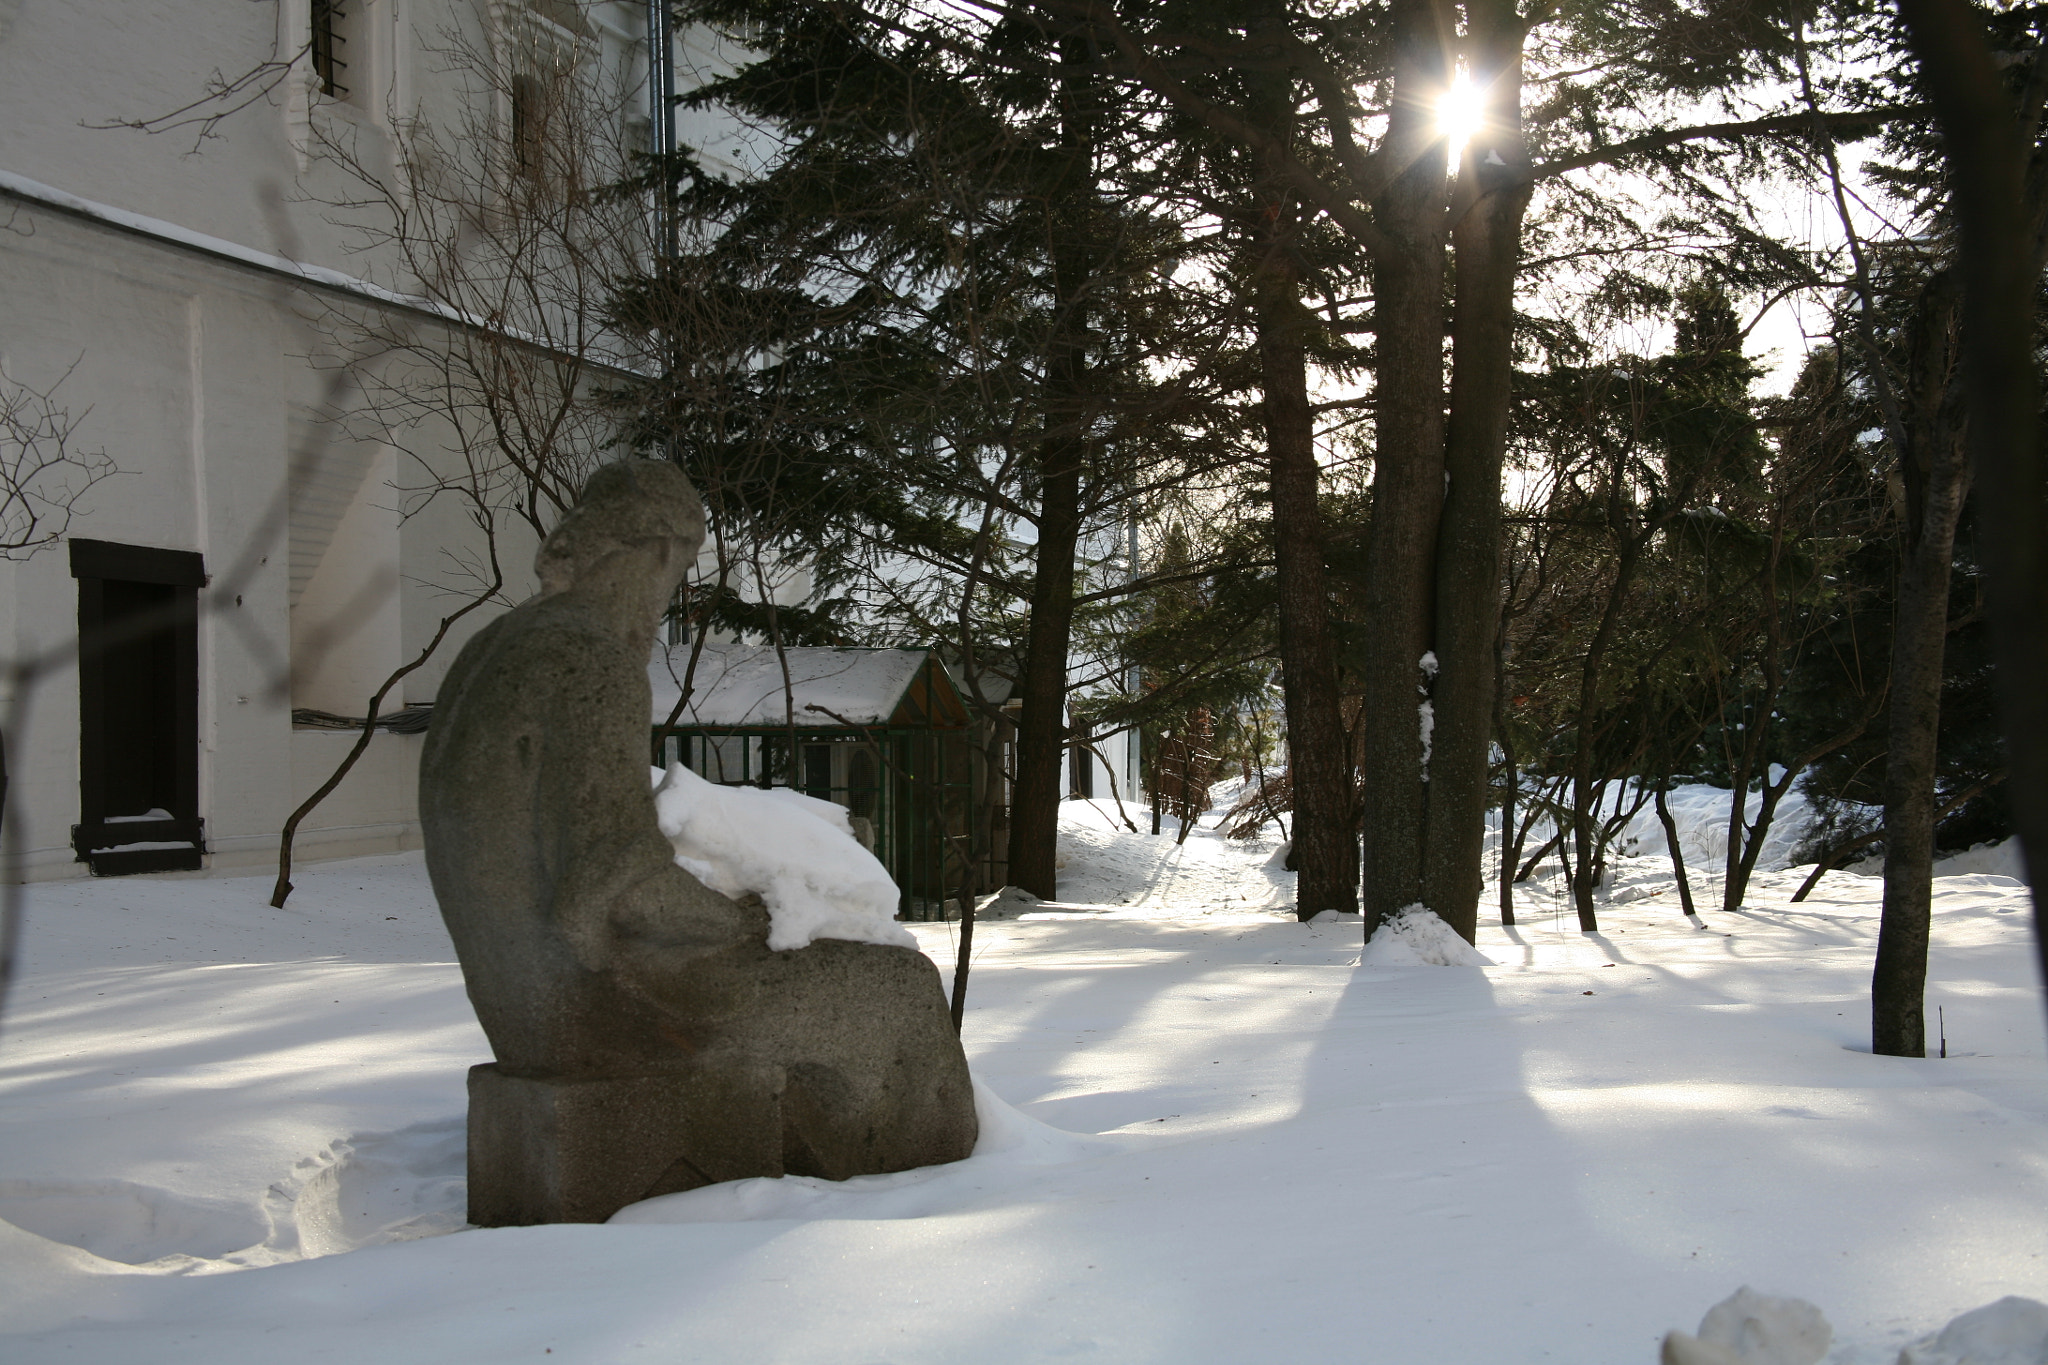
column 881, row 732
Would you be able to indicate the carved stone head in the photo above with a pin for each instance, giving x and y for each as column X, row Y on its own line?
column 628, row 506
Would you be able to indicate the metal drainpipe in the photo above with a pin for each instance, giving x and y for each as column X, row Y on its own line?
column 661, row 139
column 1133, row 758
column 661, row 119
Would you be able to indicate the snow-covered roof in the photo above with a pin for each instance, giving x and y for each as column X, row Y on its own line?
column 742, row 685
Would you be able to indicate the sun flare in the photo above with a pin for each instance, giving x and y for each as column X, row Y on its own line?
column 1459, row 112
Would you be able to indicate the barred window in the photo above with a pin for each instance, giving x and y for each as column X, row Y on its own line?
column 529, row 125
column 330, row 46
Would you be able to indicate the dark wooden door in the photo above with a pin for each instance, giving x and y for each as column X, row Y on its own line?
column 138, row 693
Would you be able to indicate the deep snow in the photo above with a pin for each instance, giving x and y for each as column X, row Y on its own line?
column 1212, row 1137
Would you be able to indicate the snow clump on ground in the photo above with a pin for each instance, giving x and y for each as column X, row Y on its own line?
column 795, row 852
column 1415, row 937
column 1748, row 1328
column 2013, row 1331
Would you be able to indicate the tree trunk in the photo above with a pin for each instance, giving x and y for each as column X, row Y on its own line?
column 1935, row 475
column 1408, row 467
column 1528, row 865
column 1744, row 868
column 1325, row 845
column 2000, row 272
column 1158, row 750
column 1319, row 769
column 1504, row 856
column 1584, row 789
column 1672, row 846
column 1042, row 688
column 1487, row 241
column 1745, row 839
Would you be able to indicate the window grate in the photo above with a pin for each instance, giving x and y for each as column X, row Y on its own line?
column 529, row 117
column 329, row 44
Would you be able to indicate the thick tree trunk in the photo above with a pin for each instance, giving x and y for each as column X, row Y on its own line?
column 1487, row 241
column 1042, row 686
column 1325, row 843
column 1936, row 475
column 2001, row 270
column 1898, row 982
column 1408, row 468
column 1319, row 768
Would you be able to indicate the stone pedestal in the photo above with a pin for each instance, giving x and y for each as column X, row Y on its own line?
column 577, row 1150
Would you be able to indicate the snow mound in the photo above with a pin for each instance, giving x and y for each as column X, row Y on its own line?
column 1103, row 864
column 375, row 1189
column 35, row 1272
column 1415, row 937
column 370, row 1189
column 2001, row 859
column 1700, row 814
column 795, row 852
column 1748, row 1328
column 1007, row 903
column 1336, row 917
column 130, row 1222
column 2013, row 1331
column 1020, row 1140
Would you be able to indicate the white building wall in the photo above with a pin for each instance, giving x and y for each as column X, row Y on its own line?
column 193, row 370
column 180, row 364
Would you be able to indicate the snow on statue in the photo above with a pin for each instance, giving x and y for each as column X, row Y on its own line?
column 795, row 852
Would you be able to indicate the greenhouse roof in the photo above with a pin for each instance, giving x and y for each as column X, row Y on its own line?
column 742, row 687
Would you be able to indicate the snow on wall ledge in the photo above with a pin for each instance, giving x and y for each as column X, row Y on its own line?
column 795, row 852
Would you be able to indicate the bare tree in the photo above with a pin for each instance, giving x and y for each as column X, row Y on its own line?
column 44, row 471
column 493, row 371
column 44, row 474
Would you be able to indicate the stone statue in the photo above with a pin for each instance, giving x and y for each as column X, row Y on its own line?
column 647, row 1040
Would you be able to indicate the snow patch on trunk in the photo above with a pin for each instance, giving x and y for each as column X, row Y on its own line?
column 1426, row 711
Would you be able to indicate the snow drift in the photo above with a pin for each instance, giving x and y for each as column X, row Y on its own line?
column 1415, row 937
column 189, row 1071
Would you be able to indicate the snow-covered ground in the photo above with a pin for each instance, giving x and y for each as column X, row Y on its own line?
column 232, row 1134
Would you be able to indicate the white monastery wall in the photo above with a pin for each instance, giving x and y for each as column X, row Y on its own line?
column 190, row 371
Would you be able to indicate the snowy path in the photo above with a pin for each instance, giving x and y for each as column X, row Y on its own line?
column 1301, row 1160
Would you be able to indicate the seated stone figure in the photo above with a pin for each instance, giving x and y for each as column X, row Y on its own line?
column 647, row 1040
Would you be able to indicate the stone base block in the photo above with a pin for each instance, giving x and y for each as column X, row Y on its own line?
column 577, row 1150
